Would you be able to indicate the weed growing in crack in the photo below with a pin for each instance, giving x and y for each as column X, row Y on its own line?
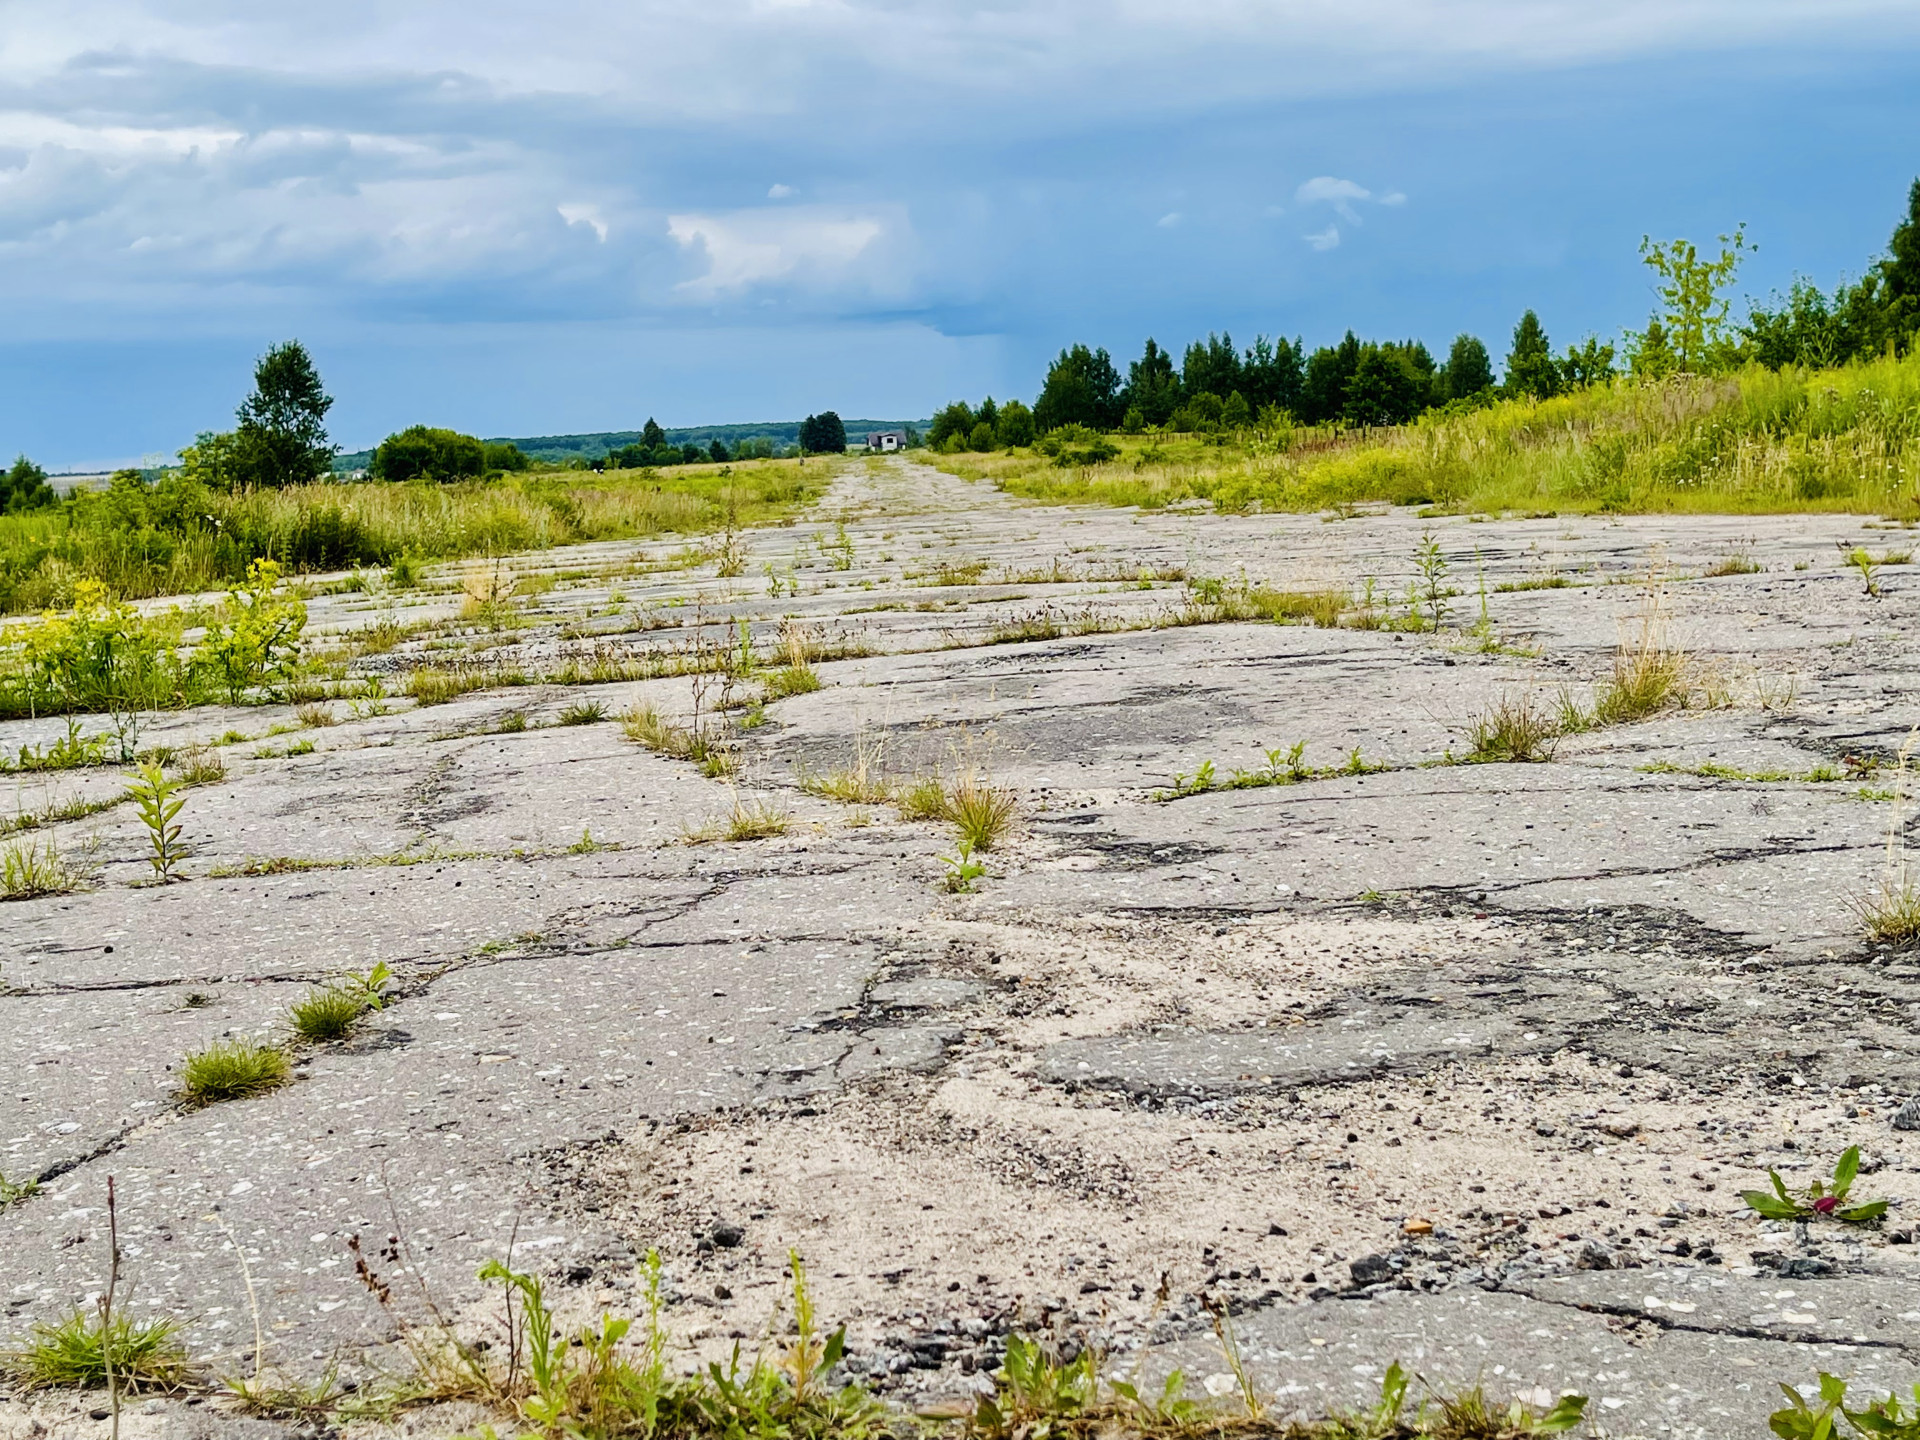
column 1431, row 587
column 511, row 723
column 1282, row 767
column 1885, row 1419
column 28, row 871
column 233, row 1070
column 145, row 1356
column 1889, row 913
column 982, row 813
column 963, row 872
column 13, row 1192
column 645, row 725
column 755, row 820
column 1513, row 730
column 922, row 799
column 158, row 807
column 799, row 679
column 315, row 716
column 583, row 712
column 72, row 751
column 325, row 1015
column 1820, row 1199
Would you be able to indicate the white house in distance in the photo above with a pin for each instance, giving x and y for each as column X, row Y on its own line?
column 882, row 440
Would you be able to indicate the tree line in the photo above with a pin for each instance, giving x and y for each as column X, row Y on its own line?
column 1216, row 385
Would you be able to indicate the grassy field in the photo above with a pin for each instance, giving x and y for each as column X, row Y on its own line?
column 176, row 539
column 1755, row 442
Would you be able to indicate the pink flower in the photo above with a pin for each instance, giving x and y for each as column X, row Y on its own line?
column 1826, row 1204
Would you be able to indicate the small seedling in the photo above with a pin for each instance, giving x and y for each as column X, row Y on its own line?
column 158, row 806
column 1822, row 1198
column 13, row 1192
column 1868, row 567
column 370, row 986
column 585, row 845
column 233, row 1070
column 963, row 871
column 1888, row 1419
column 1432, row 588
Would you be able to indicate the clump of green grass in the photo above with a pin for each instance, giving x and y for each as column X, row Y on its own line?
column 1513, row 730
column 645, row 725
column 28, row 871
column 147, row 1356
column 1041, row 624
column 327, row 1014
column 982, row 813
column 203, row 765
column 511, row 723
column 233, row 1070
column 1738, row 563
column 315, row 716
column 1536, row 582
column 583, row 712
column 801, row 679
column 922, row 799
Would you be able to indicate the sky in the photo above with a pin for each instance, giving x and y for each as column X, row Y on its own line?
column 520, row 219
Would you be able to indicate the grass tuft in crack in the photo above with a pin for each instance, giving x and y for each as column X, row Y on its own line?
column 982, row 813
column 233, row 1070
column 147, row 1356
column 1513, row 730
column 583, row 712
column 323, row 1016
column 28, row 871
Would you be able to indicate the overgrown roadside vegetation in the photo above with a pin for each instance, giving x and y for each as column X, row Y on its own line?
column 1756, row 441
column 182, row 535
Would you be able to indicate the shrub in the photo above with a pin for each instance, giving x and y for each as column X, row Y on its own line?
column 253, row 640
column 421, row 452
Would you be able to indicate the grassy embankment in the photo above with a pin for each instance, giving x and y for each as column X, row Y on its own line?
column 1756, row 442
column 162, row 543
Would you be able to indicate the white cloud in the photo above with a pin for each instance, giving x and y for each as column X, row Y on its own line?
column 1327, row 239
column 779, row 192
column 1339, row 193
column 588, row 215
column 747, row 248
column 1169, row 220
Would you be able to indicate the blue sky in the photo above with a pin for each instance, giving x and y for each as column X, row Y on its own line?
column 520, row 219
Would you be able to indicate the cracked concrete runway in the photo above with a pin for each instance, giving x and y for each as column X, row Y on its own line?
column 1388, row 1062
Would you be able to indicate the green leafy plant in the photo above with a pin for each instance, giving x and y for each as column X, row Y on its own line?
column 1886, row 1419
column 233, row 1070
column 252, row 640
column 12, row 1192
column 963, row 871
column 1431, row 566
column 158, row 805
column 1821, row 1198
column 1035, row 1393
column 145, row 1356
column 1861, row 560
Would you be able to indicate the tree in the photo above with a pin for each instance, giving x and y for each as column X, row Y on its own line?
column 24, row 487
column 422, row 452
column 982, row 437
column 1588, row 363
column 1015, row 426
column 1650, row 354
column 1082, row 388
column 504, row 455
column 1693, row 292
column 1530, row 366
column 717, row 451
column 283, row 432
column 1900, row 271
column 1272, row 374
column 956, row 419
column 1323, row 393
column 652, row 437
column 1236, row 414
column 1212, row 365
column 1153, row 387
column 823, row 434
column 1469, row 369
column 1386, row 388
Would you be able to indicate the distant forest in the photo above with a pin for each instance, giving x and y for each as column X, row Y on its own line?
column 780, row 435
column 1216, row 386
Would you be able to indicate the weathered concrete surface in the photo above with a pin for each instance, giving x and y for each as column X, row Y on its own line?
column 1246, row 1037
